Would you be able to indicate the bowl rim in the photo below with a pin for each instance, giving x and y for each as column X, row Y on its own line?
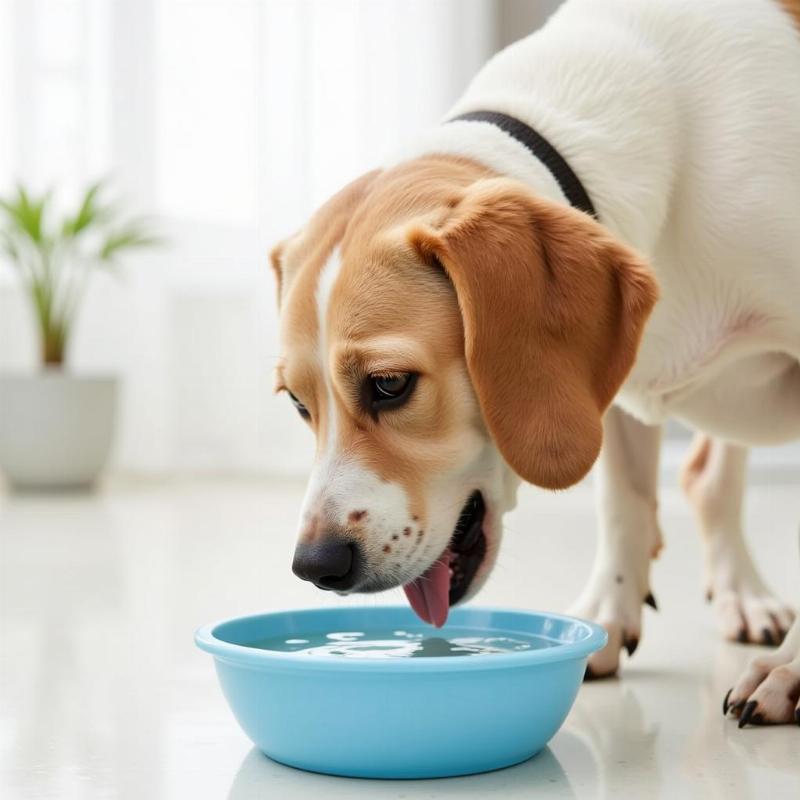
column 267, row 660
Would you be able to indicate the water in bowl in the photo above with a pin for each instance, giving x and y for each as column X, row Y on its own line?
column 381, row 644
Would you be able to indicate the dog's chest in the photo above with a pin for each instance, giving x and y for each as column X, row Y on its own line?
column 717, row 368
column 720, row 381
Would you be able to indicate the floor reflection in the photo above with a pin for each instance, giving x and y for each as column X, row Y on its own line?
column 86, row 695
column 542, row 776
column 741, row 758
column 609, row 718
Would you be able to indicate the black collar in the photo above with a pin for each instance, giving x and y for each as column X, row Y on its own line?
column 541, row 149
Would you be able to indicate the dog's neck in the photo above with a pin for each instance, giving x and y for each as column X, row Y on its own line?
column 489, row 146
column 619, row 137
column 630, row 205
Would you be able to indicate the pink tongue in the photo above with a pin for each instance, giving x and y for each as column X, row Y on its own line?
column 429, row 594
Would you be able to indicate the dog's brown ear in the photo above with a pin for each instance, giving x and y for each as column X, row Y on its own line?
column 553, row 310
column 316, row 240
column 276, row 261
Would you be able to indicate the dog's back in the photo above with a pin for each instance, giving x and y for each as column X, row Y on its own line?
column 663, row 107
column 682, row 120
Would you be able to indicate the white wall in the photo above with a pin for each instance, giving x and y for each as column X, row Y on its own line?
column 518, row 18
column 230, row 121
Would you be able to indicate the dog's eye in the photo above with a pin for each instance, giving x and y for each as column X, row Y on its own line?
column 391, row 385
column 301, row 409
column 390, row 391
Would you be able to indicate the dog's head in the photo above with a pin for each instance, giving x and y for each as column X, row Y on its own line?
column 445, row 332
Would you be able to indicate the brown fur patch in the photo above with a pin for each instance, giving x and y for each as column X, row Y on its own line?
column 308, row 249
column 297, row 263
column 792, row 8
column 553, row 310
column 391, row 313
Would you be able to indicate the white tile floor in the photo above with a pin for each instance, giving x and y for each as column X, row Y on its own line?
column 103, row 695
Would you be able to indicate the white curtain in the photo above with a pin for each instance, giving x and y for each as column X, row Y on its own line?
column 230, row 120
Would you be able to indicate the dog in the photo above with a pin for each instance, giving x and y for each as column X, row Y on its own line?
column 603, row 233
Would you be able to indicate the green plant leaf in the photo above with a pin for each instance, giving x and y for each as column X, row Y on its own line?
column 26, row 215
column 90, row 213
column 54, row 267
column 124, row 239
column 10, row 246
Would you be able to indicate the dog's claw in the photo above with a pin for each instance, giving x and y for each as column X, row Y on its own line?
column 651, row 601
column 591, row 675
column 631, row 645
column 742, row 637
column 747, row 713
column 797, row 715
column 735, row 708
column 767, row 637
column 725, row 704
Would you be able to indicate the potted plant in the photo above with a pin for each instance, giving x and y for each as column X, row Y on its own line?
column 56, row 427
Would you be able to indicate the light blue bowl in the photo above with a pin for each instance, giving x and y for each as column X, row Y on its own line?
column 400, row 717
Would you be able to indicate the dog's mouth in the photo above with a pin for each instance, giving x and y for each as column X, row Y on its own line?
column 447, row 581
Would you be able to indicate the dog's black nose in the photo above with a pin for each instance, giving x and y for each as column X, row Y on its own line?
column 329, row 563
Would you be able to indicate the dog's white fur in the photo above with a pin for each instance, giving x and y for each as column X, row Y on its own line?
column 682, row 120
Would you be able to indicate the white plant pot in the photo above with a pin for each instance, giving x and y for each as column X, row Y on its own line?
column 55, row 429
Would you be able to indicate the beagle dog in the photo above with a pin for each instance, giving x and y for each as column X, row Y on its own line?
column 603, row 233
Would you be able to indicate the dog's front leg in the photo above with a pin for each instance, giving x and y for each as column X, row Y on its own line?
column 629, row 537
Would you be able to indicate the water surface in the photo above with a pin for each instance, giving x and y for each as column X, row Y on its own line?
column 411, row 643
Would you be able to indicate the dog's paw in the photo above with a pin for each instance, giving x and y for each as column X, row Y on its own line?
column 746, row 611
column 616, row 604
column 767, row 693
